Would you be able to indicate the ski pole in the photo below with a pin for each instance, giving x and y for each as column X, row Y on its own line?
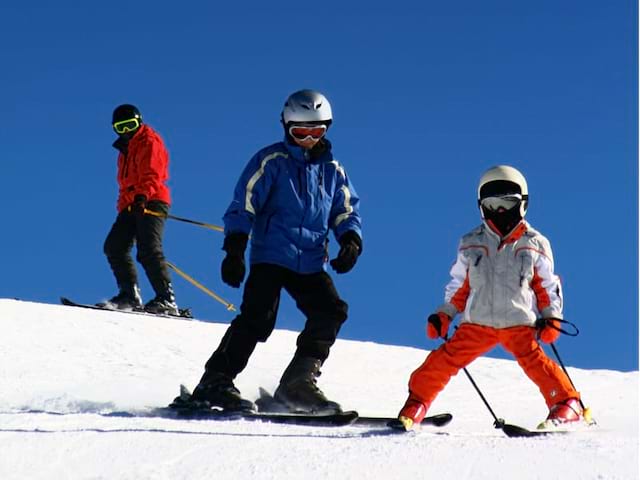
column 210, row 226
column 509, row 429
column 499, row 422
column 586, row 411
column 542, row 323
column 197, row 284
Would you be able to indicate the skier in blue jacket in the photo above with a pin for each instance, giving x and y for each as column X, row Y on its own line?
column 289, row 197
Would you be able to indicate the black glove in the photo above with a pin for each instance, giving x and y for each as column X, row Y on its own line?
column 233, row 268
column 350, row 248
column 138, row 206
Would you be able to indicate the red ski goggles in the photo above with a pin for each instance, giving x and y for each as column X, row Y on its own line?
column 303, row 132
column 506, row 202
column 125, row 126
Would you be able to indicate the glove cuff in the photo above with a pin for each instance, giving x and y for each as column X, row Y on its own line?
column 235, row 243
column 350, row 236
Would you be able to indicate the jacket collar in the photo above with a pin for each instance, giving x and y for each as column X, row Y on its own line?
column 305, row 156
column 122, row 144
column 513, row 236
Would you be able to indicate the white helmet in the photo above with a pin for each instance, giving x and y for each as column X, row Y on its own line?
column 307, row 106
column 502, row 180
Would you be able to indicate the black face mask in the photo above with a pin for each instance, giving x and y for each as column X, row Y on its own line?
column 503, row 220
column 122, row 142
column 125, row 137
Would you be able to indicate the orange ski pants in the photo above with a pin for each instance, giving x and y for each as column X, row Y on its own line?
column 470, row 341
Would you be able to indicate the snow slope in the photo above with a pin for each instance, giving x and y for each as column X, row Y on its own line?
column 64, row 372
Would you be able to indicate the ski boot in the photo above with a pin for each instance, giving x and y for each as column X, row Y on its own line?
column 411, row 414
column 164, row 303
column 128, row 298
column 298, row 390
column 567, row 411
column 219, row 391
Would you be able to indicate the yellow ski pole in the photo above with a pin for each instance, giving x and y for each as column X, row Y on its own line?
column 210, row 226
column 197, row 284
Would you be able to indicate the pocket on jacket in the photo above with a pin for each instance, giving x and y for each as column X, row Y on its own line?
column 477, row 267
column 525, row 262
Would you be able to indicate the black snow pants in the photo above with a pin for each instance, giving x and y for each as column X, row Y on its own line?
column 315, row 295
column 147, row 232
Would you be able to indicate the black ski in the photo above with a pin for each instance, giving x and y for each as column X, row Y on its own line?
column 266, row 403
column 186, row 408
column 514, row 431
column 439, row 420
column 338, row 419
column 209, row 414
column 185, row 313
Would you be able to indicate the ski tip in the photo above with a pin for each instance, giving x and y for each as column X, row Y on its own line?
column 515, row 431
column 439, row 420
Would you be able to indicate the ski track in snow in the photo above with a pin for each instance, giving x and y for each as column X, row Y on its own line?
column 69, row 378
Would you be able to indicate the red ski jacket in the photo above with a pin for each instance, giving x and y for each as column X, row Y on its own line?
column 144, row 170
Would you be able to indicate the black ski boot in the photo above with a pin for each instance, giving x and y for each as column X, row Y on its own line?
column 164, row 302
column 219, row 391
column 298, row 390
column 127, row 299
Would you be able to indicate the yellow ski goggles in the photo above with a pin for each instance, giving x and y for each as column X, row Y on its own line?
column 125, row 126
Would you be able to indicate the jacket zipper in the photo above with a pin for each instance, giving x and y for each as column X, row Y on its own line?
column 303, row 195
column 125, row 167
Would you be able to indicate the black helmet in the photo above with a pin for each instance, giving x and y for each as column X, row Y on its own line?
column 126, row 112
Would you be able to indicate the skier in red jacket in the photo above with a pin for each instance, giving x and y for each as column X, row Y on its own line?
column 143, row 164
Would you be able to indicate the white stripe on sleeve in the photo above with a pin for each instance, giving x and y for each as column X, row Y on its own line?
column 254, row 179
column 347, row 206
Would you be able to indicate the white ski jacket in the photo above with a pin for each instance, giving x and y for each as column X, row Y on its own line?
column 503, row 283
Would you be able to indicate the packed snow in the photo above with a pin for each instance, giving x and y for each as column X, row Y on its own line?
column 77, row 389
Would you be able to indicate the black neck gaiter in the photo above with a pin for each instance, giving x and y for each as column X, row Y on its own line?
column 505, row 220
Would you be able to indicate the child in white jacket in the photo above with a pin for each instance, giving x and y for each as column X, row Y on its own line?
column 502, row 283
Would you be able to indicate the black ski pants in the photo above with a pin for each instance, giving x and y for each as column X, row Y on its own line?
column 146, row 231
column 315, row 295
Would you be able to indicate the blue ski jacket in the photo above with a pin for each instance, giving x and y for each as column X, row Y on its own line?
column 289, row 201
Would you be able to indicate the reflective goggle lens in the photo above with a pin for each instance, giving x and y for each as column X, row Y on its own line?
column 301, row 132
column 125, row 126
column 506, row 202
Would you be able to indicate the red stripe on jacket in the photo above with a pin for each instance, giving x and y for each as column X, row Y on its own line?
column 459, row 299
column 542, row 296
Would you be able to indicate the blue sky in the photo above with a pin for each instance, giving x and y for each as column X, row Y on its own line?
column 426, row 96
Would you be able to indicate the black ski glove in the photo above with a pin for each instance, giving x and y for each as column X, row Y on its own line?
column 350, row 249
column 233, row 268
column 138, row 206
